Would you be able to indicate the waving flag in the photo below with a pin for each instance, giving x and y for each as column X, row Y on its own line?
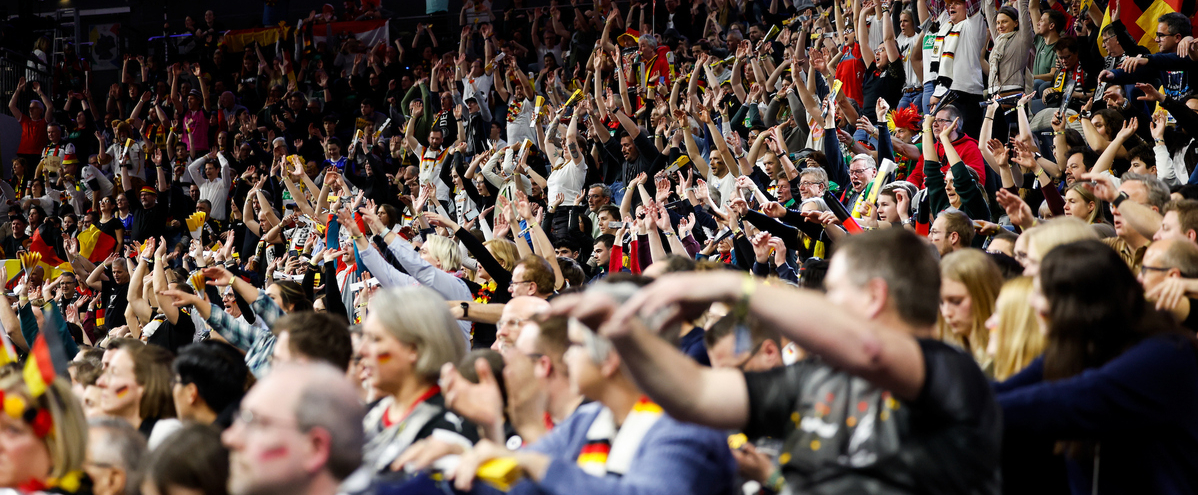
column 1140, row 18
column 95, row 245
column 49, row 261
column 370, row 32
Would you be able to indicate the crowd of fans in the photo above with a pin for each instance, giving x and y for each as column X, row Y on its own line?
column 703, row 247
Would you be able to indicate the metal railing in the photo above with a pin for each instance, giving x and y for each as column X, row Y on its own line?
column 14, row 66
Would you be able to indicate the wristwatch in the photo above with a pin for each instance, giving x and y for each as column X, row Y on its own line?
column 465, row 309
column 1119, row 199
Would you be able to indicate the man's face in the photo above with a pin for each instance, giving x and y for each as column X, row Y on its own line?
column 36, row 110
column 860, row 174
column 121, row 272
column 1154, row 271
column 628, row 147
column 511, row 322
column 1075, row 166
column 943, row 118
column 565, row 252
column 1112, row 46
column 604, row 218
column 18, row 225
column 367, row 109
column 148, row 200
column 520, row 285
column 1171, row 228
column 1135, row 192
column 1067, row 57
column 1167, row 42
column 472, row 107
column 476, row 68
column 957, row 11
column 647, row 50
column 204, row 208
column 596, row 198
column 53, row 133
column 601, row 254
column 940, row 237
column 434, row 140
column 266, row 449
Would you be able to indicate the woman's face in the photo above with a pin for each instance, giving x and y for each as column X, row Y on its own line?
column 383, row 216
column 1077, row 206
column 1100, row 125
column 388, row 360
column 122, row 202
column 956, row 306
column 887, row 208
column 1006, row 24
column 950, row 189
column 23, row 456
column 276, row 296
column 906, row 24
column 120, row 394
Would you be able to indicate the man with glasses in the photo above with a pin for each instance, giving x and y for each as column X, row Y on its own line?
column 533, row 276
column 813, row 181
column 1171, row 69
column 1136, row 204
column 965, row 146
column 516, row 313
column 598, row 196
column 1167, row 275
column 299, row 431
column 861, row 174
column 114, row 455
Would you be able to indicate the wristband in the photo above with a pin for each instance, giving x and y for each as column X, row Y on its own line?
column 1119, row 199
column 385, row 231
column 231, row 279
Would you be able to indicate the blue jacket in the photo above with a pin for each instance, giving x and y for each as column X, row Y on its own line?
column 1140, row 407
column 673, row 458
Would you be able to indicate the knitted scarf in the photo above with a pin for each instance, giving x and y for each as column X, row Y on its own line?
column 946, row 47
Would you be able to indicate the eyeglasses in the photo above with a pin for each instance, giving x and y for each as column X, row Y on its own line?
column 860, row 171
column 520, row 282
column 1144, row 269
column 511, row 321
column 942, row 121
column 254, row 421
column 809, row 184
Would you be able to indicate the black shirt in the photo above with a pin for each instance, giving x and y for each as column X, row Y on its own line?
column 110, row 227
column 886, row 84
column 844, row 435
column 115, row 300
column 173, row 336
column 147, row 223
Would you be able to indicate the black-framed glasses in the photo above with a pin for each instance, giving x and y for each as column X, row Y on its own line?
column 1144, row 269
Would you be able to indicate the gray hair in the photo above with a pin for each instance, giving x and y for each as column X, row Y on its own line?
column 866, row 159
column 1158, row 192
column 120, row 446
column 328, row 401
column 418, row 317
column 599, row 347
column 603, row 188
column 819, row 202
column 820, row 175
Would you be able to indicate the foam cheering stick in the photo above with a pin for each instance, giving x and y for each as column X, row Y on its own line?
column 501, row 473
column 30, row 259
column 573, row 98
column 536, row 111
column 773, row 33
column 128, row 144
column 888, row 166
column 842, row 214
column 195, row 223
column 197, row 281
column 678, row 164
column 379, row 132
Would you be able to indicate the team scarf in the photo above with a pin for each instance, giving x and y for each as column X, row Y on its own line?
column 946, row 49
column 609, row 449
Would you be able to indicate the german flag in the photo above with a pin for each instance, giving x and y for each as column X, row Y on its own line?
column 39, row 367
column 95, row 245
column 53, row 265
column 1140, row 18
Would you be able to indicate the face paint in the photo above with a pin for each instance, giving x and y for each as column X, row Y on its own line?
column 122, row 392
column 274, row 453
column 384, row 358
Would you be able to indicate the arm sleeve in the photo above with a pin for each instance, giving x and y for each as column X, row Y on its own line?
column 332, row 292
column 838, row 172
column 788, row 234
column 501, row 275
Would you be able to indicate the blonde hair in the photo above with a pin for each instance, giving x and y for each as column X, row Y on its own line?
column 444, row 251
column 1056, row 232
column 67, row 439
column 1088, row 197
column 418, row 317
column 1018, row 338
column 983, row 280
column 504, row 252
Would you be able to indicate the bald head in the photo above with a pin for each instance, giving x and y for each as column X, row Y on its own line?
column 515, row 313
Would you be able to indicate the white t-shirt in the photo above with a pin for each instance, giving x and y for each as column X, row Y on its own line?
column 905, row 45
column 137, row 162
column 567, row 178
column 967, row 69
column 518, row 120
column 477, row 87
column 431, row 162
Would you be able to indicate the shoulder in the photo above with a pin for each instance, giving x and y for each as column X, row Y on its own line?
column 954, row 384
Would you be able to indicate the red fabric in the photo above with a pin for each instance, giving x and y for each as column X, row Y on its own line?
column 33, row 137
column 659, row 67
column 634, row 261
column 851, row 74
column 967, row 147
column 429, row 393
column 38, row 245
column 616, row 263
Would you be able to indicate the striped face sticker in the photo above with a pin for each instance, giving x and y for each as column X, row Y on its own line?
column 384, row 357
column 122, row 392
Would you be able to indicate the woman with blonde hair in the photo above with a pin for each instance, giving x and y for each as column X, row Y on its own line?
column 1081, row 203
column 409, row 335
column 969, row 285
column 496, row 260
column 1044, row 237
column 1015, row 338
column 44, row 443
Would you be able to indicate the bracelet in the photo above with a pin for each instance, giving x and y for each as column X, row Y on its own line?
column 1158, row 141
column 357, row 236
column 988, row 118
column 747, row 287
column 158, row 259
column 1119, row 199
column 231, row 279
column 1058, row 133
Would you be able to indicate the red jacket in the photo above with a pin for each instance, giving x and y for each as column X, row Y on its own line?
column 967, row 147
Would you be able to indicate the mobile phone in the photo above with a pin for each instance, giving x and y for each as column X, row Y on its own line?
column 293, row 253
column 615, row 225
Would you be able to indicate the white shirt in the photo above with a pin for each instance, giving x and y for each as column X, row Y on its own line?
column 905, row 45
column 216, row 191
column 567, row 179
column 431, row 162
column 137, row 161
column 477, row 87
column 518, row 128
column 967, row 71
